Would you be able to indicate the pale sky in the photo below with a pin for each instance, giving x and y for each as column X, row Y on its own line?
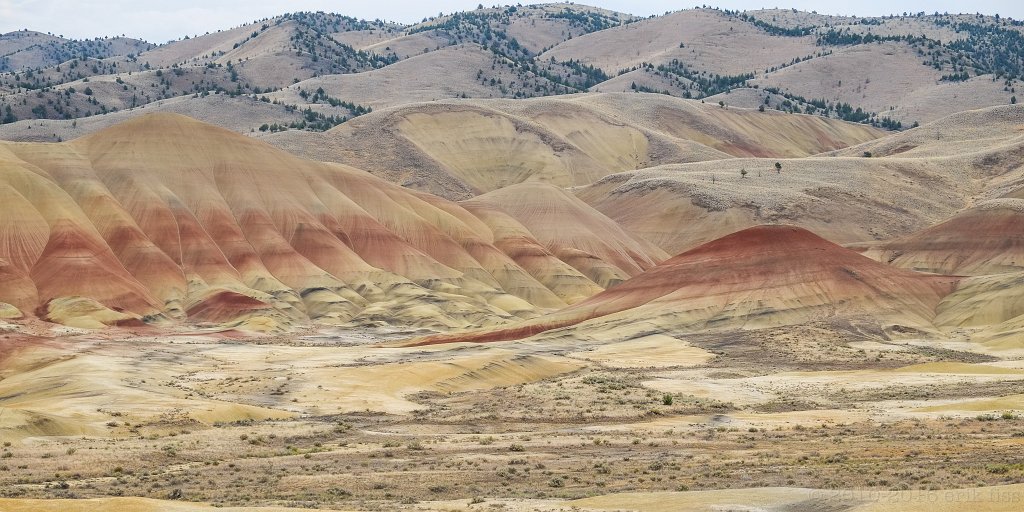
column 160, row 21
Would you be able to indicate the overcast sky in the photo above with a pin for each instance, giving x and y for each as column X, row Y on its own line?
column 160, row 21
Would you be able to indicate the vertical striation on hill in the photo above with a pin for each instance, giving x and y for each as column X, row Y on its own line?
column 164, row 216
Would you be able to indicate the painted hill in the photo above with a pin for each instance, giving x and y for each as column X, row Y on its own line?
column 986, row 239
column 562, row 196
column 163, row 217
column 573, row 231
column 762, row 276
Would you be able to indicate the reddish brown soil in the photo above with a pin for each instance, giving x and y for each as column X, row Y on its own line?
column 224, row 306
column 758, row 258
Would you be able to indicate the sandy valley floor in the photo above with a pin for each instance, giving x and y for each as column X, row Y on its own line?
column 798, row 418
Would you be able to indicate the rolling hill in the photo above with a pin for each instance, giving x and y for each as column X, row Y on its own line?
column 494, row 251
column 890, row 71
column 26, row 49
column 462, row 148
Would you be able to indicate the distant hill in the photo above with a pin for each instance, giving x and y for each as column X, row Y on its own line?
column 25, row 50
column 891, row 71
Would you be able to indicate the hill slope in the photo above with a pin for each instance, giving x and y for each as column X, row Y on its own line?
column 985, row 239
column 762, row 276
column 890, row 71
column 703, row 39
column 844, row 199
column 166, row 217
column 880, row 190
column 462, row 148
column 26, row 49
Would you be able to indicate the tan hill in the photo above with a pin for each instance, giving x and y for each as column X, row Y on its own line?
column 534, row 28
column 885, row 26
column 758, row 277
column 469, row 71
column 542, row 26
column 902, row 69
column 843, row 199
column 298, row 44
column 201, row 49
column 273, row 53
column 251, row 59
column 462, row 148
column 702, row 39
column 891, row 67
column 971, row 136
column 877, row 75
column 20, row 40
column 166, row 217
column 749, row 97
column 645, row 80
column 912, row 181
column 391, row 40
column 888, row 78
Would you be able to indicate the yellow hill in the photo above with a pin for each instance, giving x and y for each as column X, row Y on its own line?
column 461, row 148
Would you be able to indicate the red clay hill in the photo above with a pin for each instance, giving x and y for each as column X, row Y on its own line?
column 759, row 276
column 985, row 239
